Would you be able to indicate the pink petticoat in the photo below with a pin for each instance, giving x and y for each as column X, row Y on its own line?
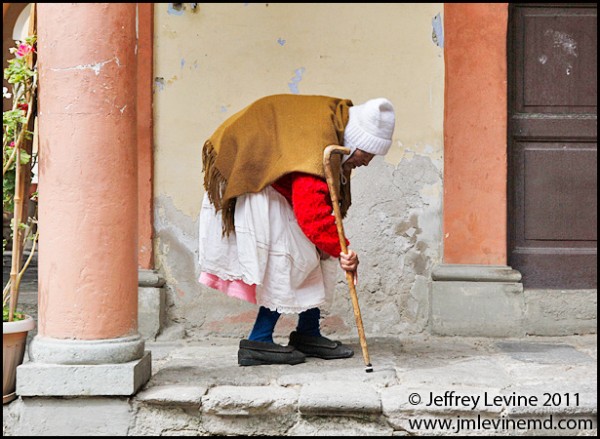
column 233, row 288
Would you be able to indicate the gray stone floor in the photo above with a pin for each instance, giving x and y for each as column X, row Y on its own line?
column 478, row 386
column 330, row 397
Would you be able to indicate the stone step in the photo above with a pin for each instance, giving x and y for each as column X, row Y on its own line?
column 200, row 384
column 479, row 386
column 328, row 408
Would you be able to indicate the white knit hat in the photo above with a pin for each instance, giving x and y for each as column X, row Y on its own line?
column 370, row 127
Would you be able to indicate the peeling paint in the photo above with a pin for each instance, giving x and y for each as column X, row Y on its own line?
column 182, row 63
column 137, row 24
column 281, row 41
column 159, row 84
column 223, row 109
column 123, row 109
column 543, row 59
column 437, row 34
column 405, row 227
column 293, row 86
column 563, row 40
column 95, row 67
column 431, row 191
column 171, row 10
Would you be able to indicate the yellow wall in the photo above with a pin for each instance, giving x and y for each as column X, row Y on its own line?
column 223, row 56
column 211, row 62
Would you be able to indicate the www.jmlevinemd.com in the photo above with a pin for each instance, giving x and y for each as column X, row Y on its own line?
column 458, row 424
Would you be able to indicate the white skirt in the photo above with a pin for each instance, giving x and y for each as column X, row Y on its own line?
column 269, row 250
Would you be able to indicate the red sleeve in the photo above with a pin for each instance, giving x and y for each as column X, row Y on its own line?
column 313, row 209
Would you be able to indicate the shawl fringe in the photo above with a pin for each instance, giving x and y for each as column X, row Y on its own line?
column 215, row 185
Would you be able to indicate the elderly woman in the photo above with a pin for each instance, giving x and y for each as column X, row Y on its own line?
column 267, row 233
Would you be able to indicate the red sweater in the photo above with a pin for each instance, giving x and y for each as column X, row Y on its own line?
column 310, row 200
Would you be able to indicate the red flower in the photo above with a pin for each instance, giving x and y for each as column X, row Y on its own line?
column 23, row 106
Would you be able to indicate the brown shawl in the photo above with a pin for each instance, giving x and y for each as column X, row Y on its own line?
column 269, row 138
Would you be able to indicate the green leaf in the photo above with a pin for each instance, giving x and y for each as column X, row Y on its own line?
column 25, row 157
column 16, row 315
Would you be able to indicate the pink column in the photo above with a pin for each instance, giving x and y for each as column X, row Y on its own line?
column 144, row 130
column 88, row 200
column 475, row 157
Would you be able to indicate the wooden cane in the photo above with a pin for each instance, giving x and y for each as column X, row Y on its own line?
column 335, row 149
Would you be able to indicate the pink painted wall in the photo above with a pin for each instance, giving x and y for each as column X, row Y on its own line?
column 475, row 123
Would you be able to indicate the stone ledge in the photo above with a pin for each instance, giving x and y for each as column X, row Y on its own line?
column 560, row 312
column 341, row 426
column 83, row 417
column 250, row 400
column 477, row 309
column 339, row 399
column 414, row 401
column 173, row 395
column 150, row 278
column 120, row 379
column 165, row 411
column 151, row 311
column 252, row 410
column 474, row 273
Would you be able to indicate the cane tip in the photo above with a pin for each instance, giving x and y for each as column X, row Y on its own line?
column 369, row 368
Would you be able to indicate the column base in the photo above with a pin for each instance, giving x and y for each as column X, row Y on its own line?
column 151, row 303
column 105, row 351
column 121, row 379
column 477, row 301
column 490, row 301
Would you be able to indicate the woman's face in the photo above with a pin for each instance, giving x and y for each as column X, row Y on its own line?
column 358, row 158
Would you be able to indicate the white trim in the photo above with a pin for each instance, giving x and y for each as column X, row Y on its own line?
column 18, row 326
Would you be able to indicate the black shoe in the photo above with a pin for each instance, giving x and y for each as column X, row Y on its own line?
column 320, row 347
column 254, row 353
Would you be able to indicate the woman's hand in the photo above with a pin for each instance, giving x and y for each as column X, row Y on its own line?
column 349, row 262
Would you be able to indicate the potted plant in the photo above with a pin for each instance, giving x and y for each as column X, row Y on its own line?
column 18, row 159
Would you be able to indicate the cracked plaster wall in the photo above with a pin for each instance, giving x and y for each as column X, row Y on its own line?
column 214, row 60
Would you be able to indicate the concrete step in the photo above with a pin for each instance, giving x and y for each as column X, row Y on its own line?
column 478, row 386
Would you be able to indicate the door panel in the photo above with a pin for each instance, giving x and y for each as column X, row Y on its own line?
column 557, row 60
column 567, row 176
column 552, row 188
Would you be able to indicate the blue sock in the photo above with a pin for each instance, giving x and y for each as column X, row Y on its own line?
column 264, row 325
column 308, row 322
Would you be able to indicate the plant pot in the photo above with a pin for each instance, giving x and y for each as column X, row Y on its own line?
column 14, row 338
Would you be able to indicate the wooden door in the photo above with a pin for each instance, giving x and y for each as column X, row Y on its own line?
column 552, row 141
